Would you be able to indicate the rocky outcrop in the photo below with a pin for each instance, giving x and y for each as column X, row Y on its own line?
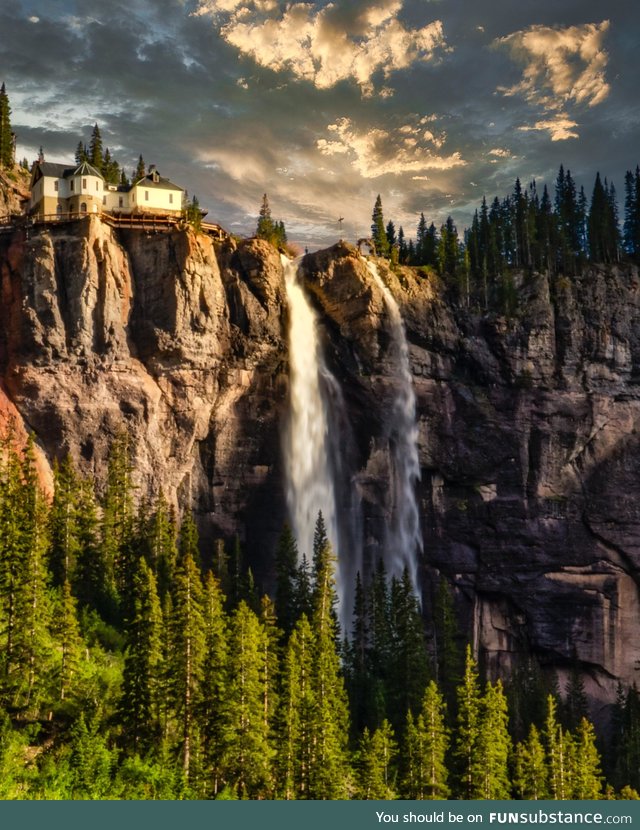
column 528, row 426
column 14, row 190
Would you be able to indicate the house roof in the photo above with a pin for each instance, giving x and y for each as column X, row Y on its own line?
column 158, row 182
column 58, row 171
column 53, row 170
column 86, row 169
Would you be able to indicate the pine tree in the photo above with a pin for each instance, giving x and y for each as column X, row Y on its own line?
column 558, row 747
column 24, row 607
column 426, row 743
column 214, row 678
column 376, row 774
column 296, row 710
column 7, row 138
column 468, row 730
column 329, row 764
column 69, row 639
column 95, row 149
column 448, row 652
column 141, row 171
column 407, row 664
column 302, row 589
column 90, row 761
column 286, row 573
column 265, row 228
column 63, row 526
column 403, row 252
column 530, row 780
column 93, row 579
column 493, row 745
column 586, row 774
column 161, row 546
column 188, row 653
column 118, row 521
column 82, row 154
column 378, row 232
column 390, row 231
column 247, row 753
column 141, row 678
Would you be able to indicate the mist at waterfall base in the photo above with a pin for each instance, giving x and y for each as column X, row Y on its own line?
column 315, row 442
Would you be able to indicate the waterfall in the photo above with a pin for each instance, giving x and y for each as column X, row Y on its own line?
column 307, row 440
column 403, row 539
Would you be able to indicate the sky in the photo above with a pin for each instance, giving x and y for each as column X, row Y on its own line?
column 324, row 105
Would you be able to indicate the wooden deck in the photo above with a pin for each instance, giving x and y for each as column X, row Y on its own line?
column 143, row 222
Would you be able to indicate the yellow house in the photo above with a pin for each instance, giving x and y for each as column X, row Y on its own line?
column 57, row 189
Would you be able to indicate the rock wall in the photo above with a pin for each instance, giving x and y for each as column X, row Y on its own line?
column 529, row 454
column 528, row 426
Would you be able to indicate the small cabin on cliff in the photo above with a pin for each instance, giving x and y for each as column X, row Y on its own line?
column 60, row 188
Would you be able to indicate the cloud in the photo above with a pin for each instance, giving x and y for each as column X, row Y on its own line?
column 325, row 46
column 560, row 127
column 376, row 152
column 561, row 65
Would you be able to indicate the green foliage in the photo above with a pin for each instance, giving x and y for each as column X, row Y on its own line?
column 7, row 138
column 530, row 780
column 376, row 775
column 193, row 214
column 95, row 149
column 189, row 695
column 140, row 171
column 378, row 231
column 268, row 229
column 247, row 752
column 426, row 743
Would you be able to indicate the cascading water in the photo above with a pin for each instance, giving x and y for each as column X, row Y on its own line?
column 403, row 539
column 307, row 440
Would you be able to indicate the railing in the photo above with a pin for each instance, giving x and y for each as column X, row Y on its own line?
column 145, row 222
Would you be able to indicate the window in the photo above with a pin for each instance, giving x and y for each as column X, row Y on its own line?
column 171, row 198
column 146, row 195
column 55, row 186
column 83, row 207
column 72, row 185
column 59, row 208
column 104, row 200
column 97, row 184
column 120, row 202
column 84, row 183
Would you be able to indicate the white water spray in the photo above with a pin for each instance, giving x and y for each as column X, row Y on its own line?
column 307, row 443
column 404, row 541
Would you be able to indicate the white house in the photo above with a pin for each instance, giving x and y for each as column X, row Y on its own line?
column 60, row 188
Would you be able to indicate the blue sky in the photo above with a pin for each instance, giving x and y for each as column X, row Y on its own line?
column 325, row 105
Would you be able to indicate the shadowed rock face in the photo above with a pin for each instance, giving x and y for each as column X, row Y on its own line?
column 528, row 427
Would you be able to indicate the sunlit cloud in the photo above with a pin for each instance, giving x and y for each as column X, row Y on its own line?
column 561, row 65
column 560, row 127
column 315, row 46
column 375, row 152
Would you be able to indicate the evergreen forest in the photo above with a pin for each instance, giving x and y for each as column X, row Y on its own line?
column 132, row 667
column 559, row 234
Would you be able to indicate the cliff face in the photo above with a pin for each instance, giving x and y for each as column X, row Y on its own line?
column 528, row 427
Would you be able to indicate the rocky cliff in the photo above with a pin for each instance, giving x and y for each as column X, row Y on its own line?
column 528, row 426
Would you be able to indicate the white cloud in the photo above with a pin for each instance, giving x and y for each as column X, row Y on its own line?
column 375, row 152
column 561, row 66
column 311, row 45
column 34, row 19
column 560, row 127
column 500, row 152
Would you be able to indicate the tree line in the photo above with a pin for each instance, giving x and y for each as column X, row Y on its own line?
column 133, row 667
column 526, row 230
